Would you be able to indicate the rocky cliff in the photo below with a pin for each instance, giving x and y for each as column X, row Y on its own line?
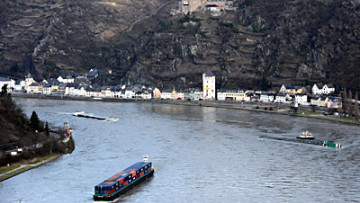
column 258, row 45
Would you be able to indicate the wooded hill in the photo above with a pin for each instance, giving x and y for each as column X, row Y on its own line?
column 17, row 131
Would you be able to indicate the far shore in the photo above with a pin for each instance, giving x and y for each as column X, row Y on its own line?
column 303, row 111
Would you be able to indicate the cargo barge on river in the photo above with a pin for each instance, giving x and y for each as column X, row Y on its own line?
column 89, row 115
column 120, row 183
column 306, row 141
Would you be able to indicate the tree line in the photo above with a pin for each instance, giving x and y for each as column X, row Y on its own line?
column 350, row 106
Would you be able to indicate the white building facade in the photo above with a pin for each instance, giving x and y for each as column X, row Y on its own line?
column 319, row 89
column 209, row 86
column 6, row 81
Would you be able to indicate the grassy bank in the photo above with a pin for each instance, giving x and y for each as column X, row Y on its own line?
column 7, row 172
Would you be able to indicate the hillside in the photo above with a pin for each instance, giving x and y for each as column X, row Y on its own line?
column 258, row 45
column 17, row 131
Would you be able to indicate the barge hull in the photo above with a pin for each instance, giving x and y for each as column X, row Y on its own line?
column 127, row 188
column 305, row 141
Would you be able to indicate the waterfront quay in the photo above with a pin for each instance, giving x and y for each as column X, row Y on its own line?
column 279, row 108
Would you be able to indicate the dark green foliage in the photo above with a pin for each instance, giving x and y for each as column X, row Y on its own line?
column 3, row 91
column 187, row 18
column 255, row 26
column 16, row 130
column 264, row 84
column 14, row 68
column 46, row 128
column 248, row 2
column 49, row 63
column 232, row 26
column 177, row 50
column 165, row 25
column 34, row 121
column 203, row 34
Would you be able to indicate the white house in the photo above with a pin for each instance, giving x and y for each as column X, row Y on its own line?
column 47, row 89
column 301, row 99
column 107, row 92
column 208, row 85
column 117, row 91
column 19, row 86
column 66, row 80
column 35, row 88
column 166, row 94
column 181, row 95
column 122, row 93
column 280, row 98
column 146, row 94
column 266, row 97
column 80, row 91
column 221, row 95
column 69, row 89
column 28, row 81
column 320, row 89
column 95, row 92
column 234, row 95
column 129, row 93
column 9, row 82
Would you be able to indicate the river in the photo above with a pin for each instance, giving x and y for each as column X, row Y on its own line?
column 200, row 154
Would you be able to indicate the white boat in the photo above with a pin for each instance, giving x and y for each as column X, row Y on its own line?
column 112, row 119
column 306, row 135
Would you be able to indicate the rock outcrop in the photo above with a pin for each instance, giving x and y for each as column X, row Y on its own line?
column 258, row 45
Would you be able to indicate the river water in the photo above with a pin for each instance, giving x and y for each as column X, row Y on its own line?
column 200, row 154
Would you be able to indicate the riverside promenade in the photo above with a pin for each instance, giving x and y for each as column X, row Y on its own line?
column 303, row 111
column 14, row 169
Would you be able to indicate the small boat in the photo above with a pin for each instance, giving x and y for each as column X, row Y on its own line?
column 306, row 135
column 121, row 182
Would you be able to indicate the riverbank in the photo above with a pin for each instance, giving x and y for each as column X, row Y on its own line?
column 14, row 169
column 303, row 111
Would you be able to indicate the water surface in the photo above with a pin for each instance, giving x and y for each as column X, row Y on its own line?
column 200, row 154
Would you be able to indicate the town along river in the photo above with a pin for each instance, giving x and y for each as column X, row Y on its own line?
column 200, row 154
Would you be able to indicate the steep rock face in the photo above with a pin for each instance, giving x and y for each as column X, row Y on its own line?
column 310, row 41
column 186, row 46
column 259, row 44
column 47, row 38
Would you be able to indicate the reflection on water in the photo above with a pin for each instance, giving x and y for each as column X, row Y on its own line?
column 200, row 154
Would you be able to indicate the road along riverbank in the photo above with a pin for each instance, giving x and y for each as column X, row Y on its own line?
column 303, row 111
column 14, row 169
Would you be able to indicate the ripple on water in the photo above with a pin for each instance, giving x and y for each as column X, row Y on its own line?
column 199, row 154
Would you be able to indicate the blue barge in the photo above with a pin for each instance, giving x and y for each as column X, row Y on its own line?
column 306, row 141
column 120, row 183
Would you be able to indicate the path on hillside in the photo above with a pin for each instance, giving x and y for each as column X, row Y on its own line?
column 147, row 16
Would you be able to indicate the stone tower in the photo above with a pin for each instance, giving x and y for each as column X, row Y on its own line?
column 209, row 86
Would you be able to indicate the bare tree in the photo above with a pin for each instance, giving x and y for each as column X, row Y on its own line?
column 350, row 105
column 356, row 106
column 344, row 105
